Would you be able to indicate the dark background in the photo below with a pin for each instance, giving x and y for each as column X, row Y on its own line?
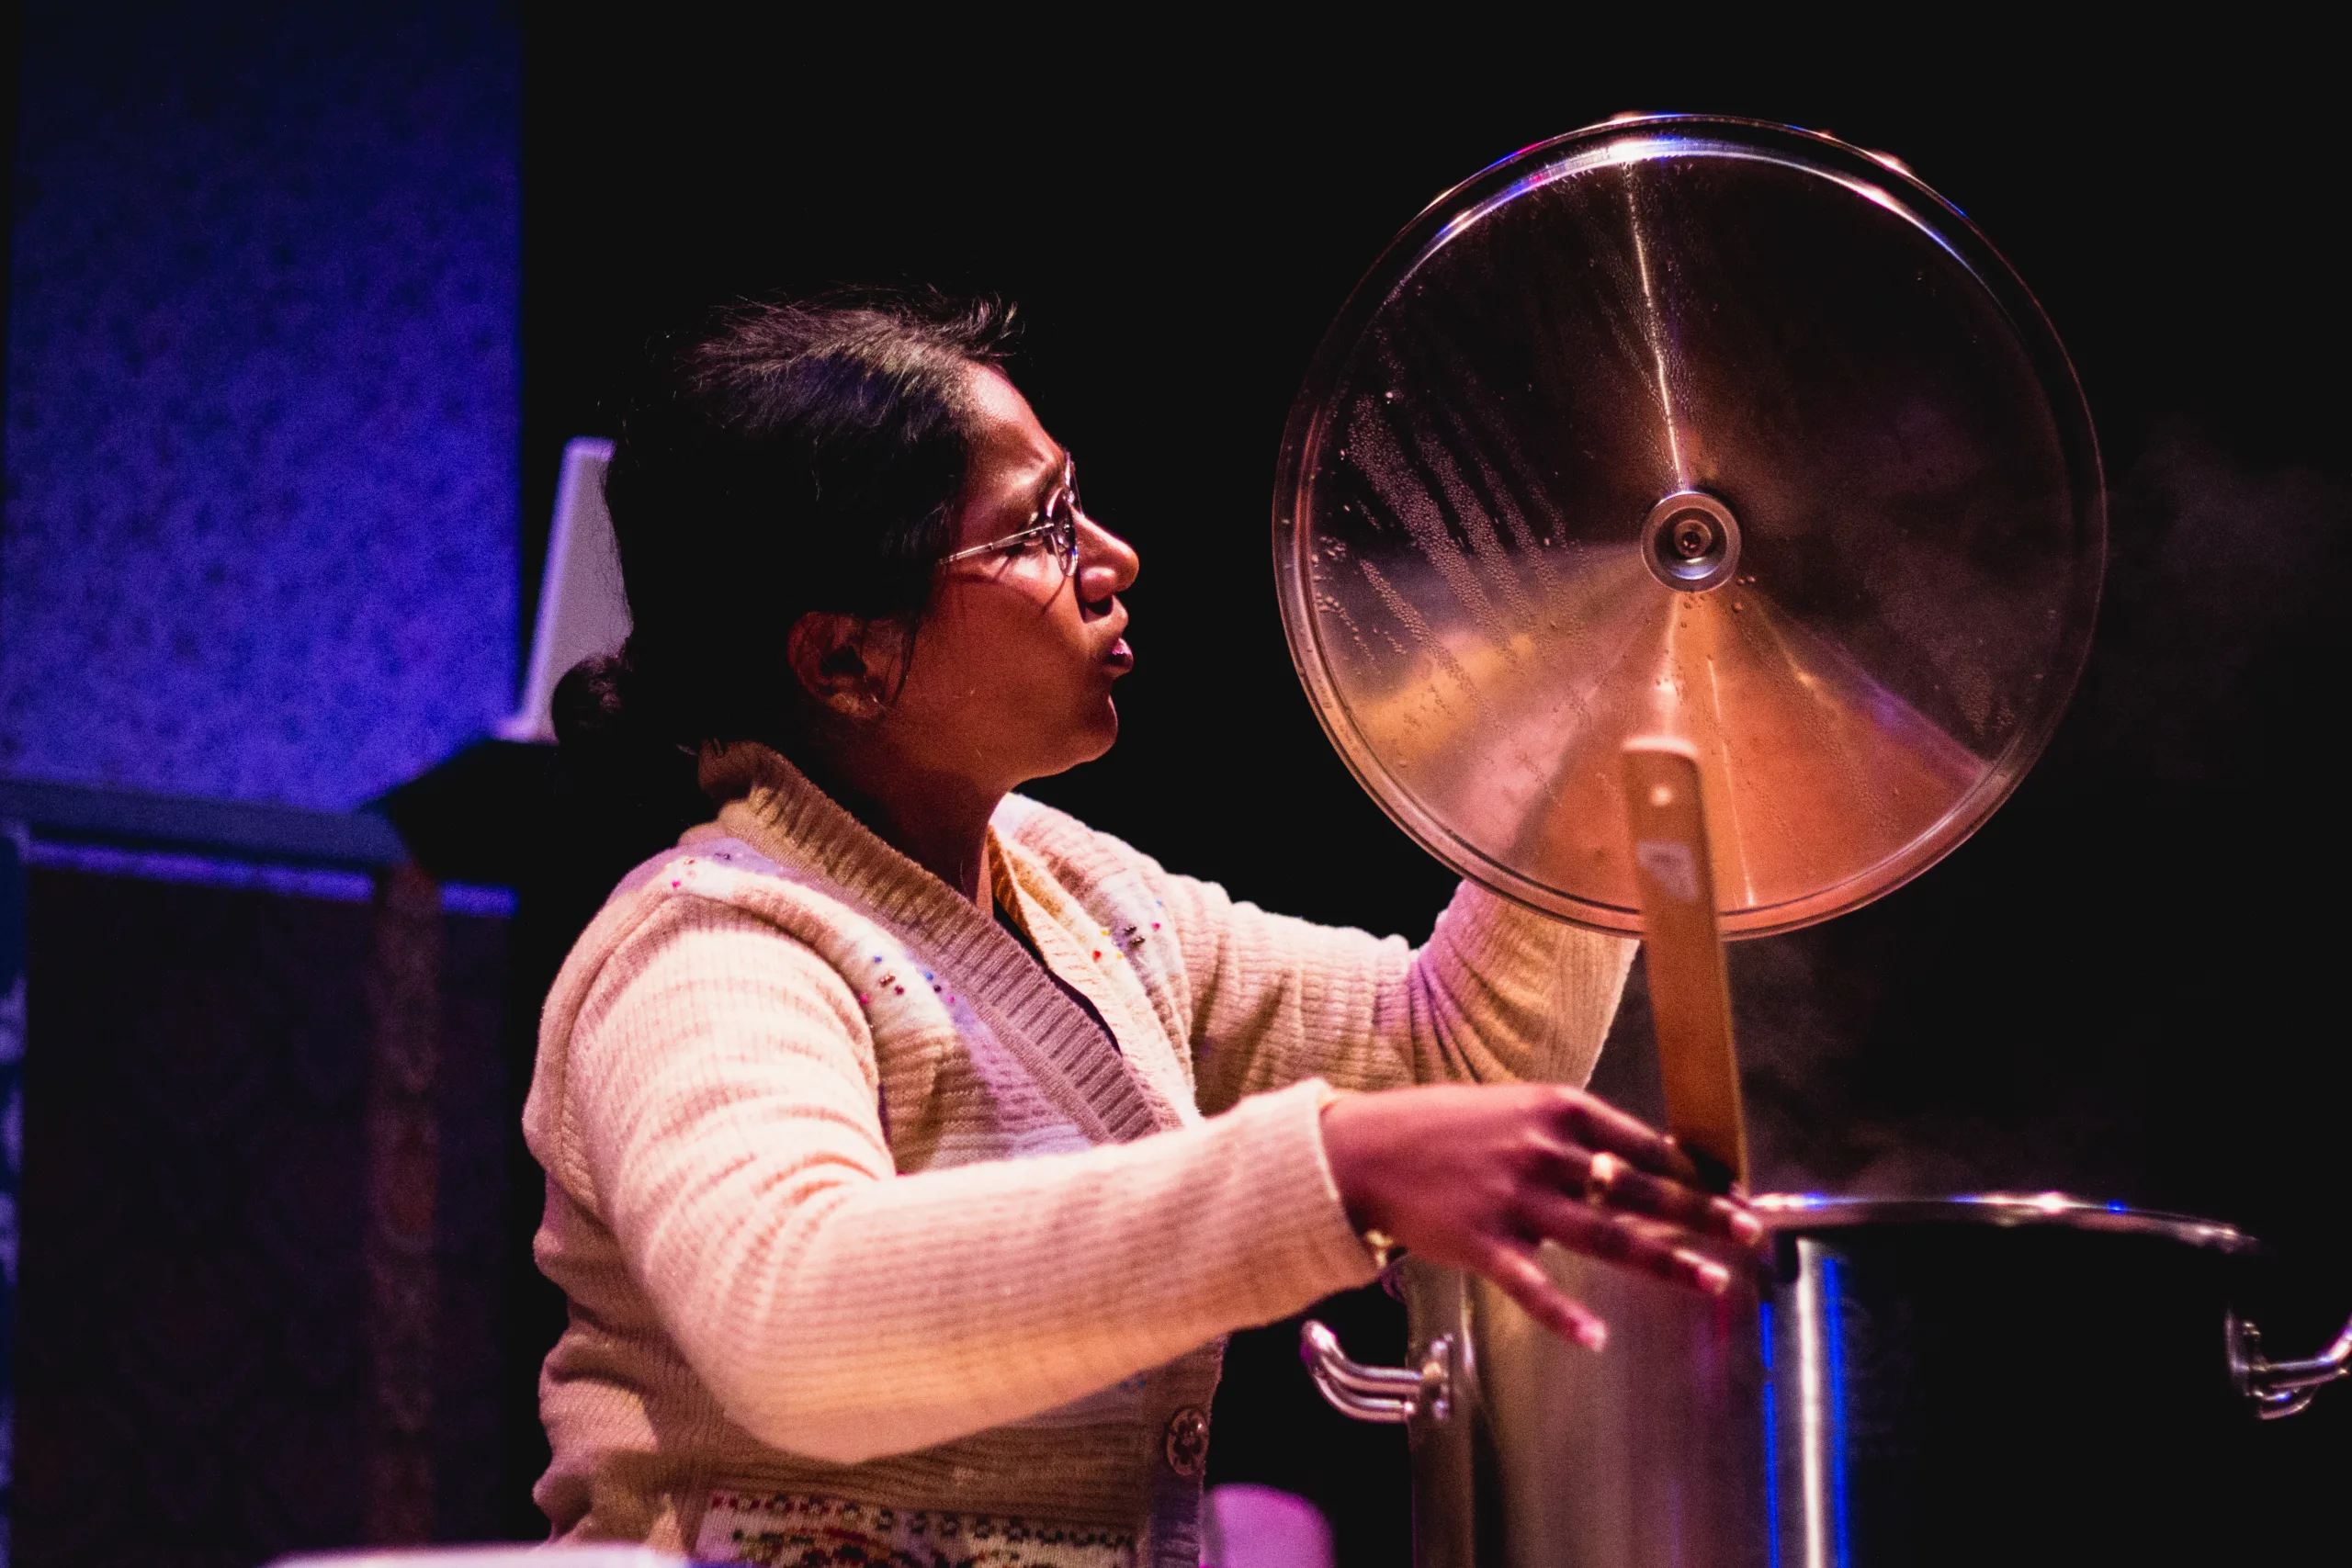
column 195, row 1388
column 2127, row 984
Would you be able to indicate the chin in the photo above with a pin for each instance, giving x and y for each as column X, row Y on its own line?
column 1101, row 740
column 1089, row 740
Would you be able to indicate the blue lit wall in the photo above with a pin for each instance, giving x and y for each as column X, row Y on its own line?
column 262, row 395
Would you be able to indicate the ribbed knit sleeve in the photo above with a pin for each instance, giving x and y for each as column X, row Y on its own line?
column 1497, row 993
column 720, row 1104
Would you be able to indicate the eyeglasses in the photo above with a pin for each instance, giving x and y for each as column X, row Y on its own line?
column 1052, row 526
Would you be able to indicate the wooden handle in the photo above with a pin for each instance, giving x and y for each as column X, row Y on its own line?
column 1688, row 996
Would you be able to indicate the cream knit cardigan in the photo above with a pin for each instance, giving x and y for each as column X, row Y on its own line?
column 852, row 1201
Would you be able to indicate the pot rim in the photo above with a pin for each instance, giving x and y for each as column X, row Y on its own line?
column 1793, row 1214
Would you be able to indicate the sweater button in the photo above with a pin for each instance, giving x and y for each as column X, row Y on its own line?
column 1187, row 1445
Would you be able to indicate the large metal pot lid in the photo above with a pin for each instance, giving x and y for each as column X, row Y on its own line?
column 1702, row 427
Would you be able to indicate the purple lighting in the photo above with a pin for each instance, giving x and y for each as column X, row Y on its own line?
column 262, row 397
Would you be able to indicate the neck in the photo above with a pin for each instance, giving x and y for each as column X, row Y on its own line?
column 939, row 822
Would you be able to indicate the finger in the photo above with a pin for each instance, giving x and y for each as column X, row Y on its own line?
column 1581, row 1228
column 1610, row 1181
column 1601, row 1125
column 1522, row 1277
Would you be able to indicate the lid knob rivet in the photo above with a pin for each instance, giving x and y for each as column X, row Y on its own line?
column 1691, row 542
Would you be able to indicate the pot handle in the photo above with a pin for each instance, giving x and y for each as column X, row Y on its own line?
column 1388, row 1395
column 2281, row 1389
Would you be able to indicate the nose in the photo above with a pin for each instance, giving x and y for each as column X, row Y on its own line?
column 1107, row 564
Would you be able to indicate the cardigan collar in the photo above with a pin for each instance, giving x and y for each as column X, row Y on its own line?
column 775, row 807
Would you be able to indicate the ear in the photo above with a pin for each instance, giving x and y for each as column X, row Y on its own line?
column 848, row 663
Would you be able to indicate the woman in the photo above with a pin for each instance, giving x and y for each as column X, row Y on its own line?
column 909, row 1145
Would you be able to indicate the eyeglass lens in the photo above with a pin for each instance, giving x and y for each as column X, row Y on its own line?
column 1062, row 511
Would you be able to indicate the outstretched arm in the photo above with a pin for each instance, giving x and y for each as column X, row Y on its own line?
column 719, row 1116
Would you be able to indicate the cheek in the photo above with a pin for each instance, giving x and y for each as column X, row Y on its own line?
column 952, row 654
column 990, row 658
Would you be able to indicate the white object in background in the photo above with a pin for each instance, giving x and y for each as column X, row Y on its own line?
column 512, row 1554
column 1262, row 1527
column 583, row 612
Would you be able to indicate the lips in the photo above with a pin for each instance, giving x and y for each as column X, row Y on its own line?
column 1121, row 658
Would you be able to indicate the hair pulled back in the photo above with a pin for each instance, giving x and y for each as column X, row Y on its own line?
column 783, row 459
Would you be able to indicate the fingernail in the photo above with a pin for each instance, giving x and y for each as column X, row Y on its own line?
column 1592, row 1336
column 1708, row 1275
column 1745, row 1227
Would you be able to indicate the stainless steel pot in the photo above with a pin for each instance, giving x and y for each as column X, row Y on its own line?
column 1985, row 1378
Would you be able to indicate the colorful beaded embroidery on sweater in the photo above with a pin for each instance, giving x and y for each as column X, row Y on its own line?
column 782, row 1530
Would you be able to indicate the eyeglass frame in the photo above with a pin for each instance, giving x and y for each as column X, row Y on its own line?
column 1041, row 522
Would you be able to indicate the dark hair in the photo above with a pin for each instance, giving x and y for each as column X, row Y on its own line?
column 782, row 459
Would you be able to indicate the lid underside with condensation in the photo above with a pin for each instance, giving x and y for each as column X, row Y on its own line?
column 1697, row 427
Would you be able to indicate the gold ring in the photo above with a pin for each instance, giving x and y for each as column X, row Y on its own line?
column 1599, row 1178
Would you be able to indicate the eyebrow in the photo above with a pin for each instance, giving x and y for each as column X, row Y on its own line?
column 1042, row 491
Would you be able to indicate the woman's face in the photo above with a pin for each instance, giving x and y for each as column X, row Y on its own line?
column 1010, row 675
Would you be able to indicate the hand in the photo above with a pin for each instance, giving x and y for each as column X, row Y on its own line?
column 1476, row 1177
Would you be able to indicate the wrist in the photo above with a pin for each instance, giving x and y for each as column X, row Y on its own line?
column 1343, row 1157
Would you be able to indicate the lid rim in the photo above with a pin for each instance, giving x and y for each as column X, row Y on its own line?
column 1796, row 1213
column 1306, row 428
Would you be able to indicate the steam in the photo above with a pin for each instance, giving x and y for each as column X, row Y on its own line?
column 1999, row 1025
column 2217, row 575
